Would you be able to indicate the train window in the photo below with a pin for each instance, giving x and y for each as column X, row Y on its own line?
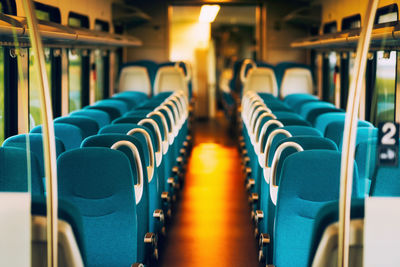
column 101, row 65
column 330, row 27
column 75, row 79
column 386, row 14
column 383, row 100
column 353, row 22
column 34, row 97
column 77, row 67
column 331, row 70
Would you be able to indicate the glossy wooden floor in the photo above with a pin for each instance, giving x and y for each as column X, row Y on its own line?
column 211, row 225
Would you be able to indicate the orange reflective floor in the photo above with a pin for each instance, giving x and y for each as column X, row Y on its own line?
column 211, row 224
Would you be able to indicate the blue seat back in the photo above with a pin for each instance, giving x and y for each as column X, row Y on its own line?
column 87, row 125
column 69, row 134
column 99, row 182
column 101, row 117
column 308, row 181
column 14, row 172
column 308, row 107
column 335, row 130
column 35, row 146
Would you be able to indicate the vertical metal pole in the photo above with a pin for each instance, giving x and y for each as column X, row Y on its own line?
column 48, row 133
column 347, row 163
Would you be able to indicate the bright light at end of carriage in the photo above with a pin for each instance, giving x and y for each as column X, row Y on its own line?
column 208, row 13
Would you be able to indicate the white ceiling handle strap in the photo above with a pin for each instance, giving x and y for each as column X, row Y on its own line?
column 246, row 62
column 273, row 187
column 150, row 149
column 139, row 167
column 158, row 153
column 171, row 131
column 165, row 129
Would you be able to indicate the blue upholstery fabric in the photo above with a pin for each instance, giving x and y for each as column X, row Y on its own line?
column 87, row 125
column 293, row 99
column 325, row 119
column 386, row 181
column 307, row 143
column 129, row 101
column 294, row 130
column 35, row 146
column 142, row 208
column 132, row 98
column 101, row 117
column 107, row 140
column 315, row 113
column 66, row 212
column 309, row 179
column 98, row 181
column 308, row 107
column 14, row 171
column 365, row 156
column 115, row 108
column 335, row 130
column 69, row 134
column 128, row 119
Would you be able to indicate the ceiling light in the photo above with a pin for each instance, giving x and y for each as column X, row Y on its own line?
column 208, row 13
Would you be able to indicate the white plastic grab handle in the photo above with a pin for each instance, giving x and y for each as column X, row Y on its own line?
column 258, row 123
column 150, row 168
column 158, row 153
column 270, row 139
column 264, row 131
column 171, row 132
column 252, row 109
column 165, row 129
column 243, row 68
column 139, row 167
column 273, row 188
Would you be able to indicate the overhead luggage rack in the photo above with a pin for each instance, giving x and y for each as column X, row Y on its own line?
column 60, row 35
column 387, row 35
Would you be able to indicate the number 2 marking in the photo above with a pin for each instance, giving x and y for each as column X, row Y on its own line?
column 389, row 130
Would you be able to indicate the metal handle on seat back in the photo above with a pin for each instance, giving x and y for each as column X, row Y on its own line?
column 165, row 126
column 255, row 116
column 243, row 68
column 171, row 131
column 159, row 138
column 269, row 142
column 258, row 123
column 175, row 111
column 150, row 169
column 257, row 119
column 247, row 102
column 139, row 167
column 181, row 109
column 252, row 110
column 273, row 187
column 264, row 130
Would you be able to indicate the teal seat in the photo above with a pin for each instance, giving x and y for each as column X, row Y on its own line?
column 35, row 146
column 308, row 107
column 335, row 130
column 142, row 203
column 14, row 172
column 87, row 125
column 293, row 99
column 386, row 181
column 309, row 180
column 69, row 134
column 101, row 117
column 315, row 113
column 99, row 183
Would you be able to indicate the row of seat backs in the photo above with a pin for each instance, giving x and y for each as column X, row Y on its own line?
column 282, row 80
column 307, row 181
column 151, row 78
